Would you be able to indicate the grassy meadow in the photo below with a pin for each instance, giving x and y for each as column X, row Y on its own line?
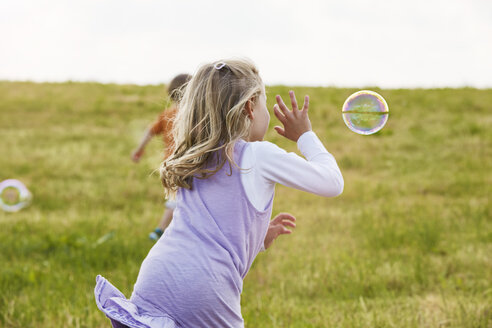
column 408, row 243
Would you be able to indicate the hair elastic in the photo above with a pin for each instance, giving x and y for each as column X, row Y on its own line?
column 219, row 65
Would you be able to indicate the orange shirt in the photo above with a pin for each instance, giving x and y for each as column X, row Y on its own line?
column 164, row 125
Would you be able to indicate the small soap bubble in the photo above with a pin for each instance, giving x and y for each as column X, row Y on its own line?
column 365, row 112
column 14, row 195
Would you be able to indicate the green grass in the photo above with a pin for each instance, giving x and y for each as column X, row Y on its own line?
column 408, row 243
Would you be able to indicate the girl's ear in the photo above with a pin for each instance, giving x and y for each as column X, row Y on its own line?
column 248, row 108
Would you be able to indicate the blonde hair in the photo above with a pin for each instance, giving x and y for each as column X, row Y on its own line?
column 211, row 118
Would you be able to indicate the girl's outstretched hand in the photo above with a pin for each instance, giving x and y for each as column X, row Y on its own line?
column 295, row 121
column 278, row 226
column 136, row 155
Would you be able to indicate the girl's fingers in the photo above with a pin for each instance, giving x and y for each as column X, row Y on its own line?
column 282, row 106
column 286, row 216
column 280, row 130
column 305, row 107
column 280, row 230
column 284, row 219
column 279, row 115
column 288, row 223
column 285, row 231
column 293, row 101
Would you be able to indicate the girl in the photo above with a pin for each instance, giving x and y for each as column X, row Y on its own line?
column 223, row 176
column 164, row 125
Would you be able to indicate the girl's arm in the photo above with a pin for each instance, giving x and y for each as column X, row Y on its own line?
column 267, row 164
column 278, row 226
column 138, row 152
column 318, row 173
column 162, row 121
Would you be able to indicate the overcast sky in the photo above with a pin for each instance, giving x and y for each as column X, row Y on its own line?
column 386, row 43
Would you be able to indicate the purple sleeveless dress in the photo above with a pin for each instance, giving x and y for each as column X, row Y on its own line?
column 193, row 276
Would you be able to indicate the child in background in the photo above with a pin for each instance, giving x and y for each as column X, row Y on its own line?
column 163, row 125
column 224, row 177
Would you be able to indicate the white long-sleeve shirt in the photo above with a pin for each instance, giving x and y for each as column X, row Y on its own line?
column 266, row 164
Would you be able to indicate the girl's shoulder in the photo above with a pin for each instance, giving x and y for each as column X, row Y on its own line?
column 263, row 148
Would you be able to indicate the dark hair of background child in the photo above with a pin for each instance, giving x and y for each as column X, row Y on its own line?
column 176, row 85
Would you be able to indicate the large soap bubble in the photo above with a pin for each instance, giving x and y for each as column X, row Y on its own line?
column 14, row 195
column 365, row 112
